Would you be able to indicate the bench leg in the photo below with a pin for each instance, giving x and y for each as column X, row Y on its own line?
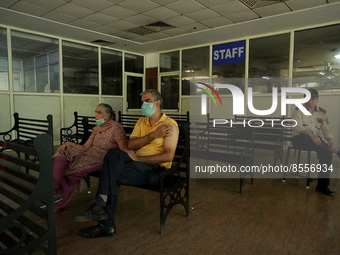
column 286, row 164
column 168, row 200
column 88, row 181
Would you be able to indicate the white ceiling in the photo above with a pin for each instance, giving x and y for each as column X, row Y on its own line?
column 194, row 21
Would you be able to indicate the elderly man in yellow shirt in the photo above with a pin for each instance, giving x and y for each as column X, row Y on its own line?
column 151, row 149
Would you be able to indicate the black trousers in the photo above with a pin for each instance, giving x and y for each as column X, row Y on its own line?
column 323, row 152
column 118, row 168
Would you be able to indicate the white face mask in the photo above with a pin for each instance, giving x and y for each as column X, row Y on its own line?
column 100, row 122
column 147, row 109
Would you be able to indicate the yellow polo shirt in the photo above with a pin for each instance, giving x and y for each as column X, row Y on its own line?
column 143, row 128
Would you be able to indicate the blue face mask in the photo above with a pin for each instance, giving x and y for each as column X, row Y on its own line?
column 147, row 109
column 100, row 122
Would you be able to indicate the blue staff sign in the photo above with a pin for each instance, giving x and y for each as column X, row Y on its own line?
column 229, row 53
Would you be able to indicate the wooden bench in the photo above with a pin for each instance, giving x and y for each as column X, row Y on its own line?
column 25, row 228
column 174, row 183
column 222, row 143
column 80, row 130
column 268, row 135
column 173, row 187
column 26, row 130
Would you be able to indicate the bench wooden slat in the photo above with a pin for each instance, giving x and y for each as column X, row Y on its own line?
column 24, row 226
column 20, row 161
column 19, row 174
column 27, row 222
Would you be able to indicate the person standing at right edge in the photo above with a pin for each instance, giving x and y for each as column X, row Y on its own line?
column 306, row 135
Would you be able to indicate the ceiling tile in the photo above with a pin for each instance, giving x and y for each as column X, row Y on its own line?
column 122, row 24
column 60, row 17
column 7, row 4
column 213, row 2
column 106, row 29
column 217, row 22
column 303, row 4
column 163, row 2
column 271, row 10
column 161, row 13
column 157, row 36
column 92, row 5
column 29, row 9
column 185, row 6
column 100, row 18
column 195, row 27
column 174, row 31
column 85, row 24
column 118, row 12
column 140, row 20
column 74, row 10
column 141, row 6
column 203, row 14
column 242, row 16
column 124, row 34
column 50, row 5
column 179, row 21
column 230, row 8
column 142, row 39
column 115, row 1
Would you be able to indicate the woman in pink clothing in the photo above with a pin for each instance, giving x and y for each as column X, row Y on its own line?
column 74, row 161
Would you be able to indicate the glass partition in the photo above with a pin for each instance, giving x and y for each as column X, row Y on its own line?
column 317, row 58
column 134, row 86
column 169, row 61
column 195, row 68
column 111, row 63
column 269, row 62
column 80, row 68
column 35, row 62
column 134, row 63
column 170, row 91
column 4, row 85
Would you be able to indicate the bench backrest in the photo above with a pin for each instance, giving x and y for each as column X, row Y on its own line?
column 27, row 129
column 25, row 228
column 80, row 130
column 223, row 138
column 265, row 131
column 128, row 121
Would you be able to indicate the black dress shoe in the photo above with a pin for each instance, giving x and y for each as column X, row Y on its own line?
column 325, row 190
column 97, row 231
column 95, row 213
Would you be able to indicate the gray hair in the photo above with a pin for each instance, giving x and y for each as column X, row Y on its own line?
column 107, row 110
column 156, row 95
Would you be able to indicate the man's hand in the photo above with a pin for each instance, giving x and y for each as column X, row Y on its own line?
column 332, row 145
column 315, row 139
column 132, row 154
column 163, row 131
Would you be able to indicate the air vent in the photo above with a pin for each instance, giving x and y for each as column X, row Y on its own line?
column 151, row 28
column 252, row 4
column 102, row 42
